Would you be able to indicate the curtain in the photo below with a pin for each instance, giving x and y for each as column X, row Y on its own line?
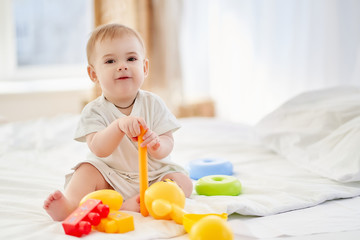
column 158, row 22
column 252, row 55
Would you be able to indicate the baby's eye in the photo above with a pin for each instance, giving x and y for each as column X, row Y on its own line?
column 110, row 61
column 131, row 59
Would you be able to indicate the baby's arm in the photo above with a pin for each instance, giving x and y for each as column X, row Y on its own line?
column 158, row 146
column 104, row 142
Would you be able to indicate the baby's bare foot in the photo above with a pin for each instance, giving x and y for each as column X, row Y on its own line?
column 57, row 206
column 131, row 204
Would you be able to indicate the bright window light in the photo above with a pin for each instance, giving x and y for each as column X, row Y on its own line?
column 50, row 37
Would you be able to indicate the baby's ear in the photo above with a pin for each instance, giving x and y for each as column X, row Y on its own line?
column 92, row 73
column 146, row 67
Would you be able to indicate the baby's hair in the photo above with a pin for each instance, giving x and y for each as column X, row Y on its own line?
column 110, row 31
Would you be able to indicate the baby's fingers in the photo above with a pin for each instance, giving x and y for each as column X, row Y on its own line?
column 135, row 129
column 150, row 139
column 150, row 143
column 142, row 122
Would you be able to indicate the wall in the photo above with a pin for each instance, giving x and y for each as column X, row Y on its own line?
column 31, row 105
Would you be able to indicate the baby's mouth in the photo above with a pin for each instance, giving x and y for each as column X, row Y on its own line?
column 123, row 78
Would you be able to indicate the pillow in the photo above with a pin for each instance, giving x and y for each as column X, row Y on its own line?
column 319, row 131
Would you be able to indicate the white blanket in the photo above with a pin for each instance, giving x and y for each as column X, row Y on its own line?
column 318, row 131
column 35, row 156
column 271, row 184
column 324, row 218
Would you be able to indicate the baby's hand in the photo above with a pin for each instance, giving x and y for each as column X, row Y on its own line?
column 131, row 126
column 151, row 140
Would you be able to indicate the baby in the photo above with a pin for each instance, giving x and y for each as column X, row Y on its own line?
column 111, row 123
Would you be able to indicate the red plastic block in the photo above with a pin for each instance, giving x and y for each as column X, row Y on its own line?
column 89, row 213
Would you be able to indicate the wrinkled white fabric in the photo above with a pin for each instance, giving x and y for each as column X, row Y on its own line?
column 318, row 131
column 35, row 156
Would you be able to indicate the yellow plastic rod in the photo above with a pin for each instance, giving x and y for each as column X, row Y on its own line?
column 143, row 172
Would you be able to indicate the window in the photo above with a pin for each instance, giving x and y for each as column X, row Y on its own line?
column 251, row 56
column 44, row 39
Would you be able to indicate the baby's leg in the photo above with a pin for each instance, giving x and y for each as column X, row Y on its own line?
column 131, row 204
column 182, row 180
column 56, row 205
column 85, row 179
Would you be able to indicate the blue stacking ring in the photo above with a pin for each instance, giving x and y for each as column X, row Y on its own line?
column 209, row 166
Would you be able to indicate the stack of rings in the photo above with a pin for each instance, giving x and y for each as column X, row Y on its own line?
column 214, row 178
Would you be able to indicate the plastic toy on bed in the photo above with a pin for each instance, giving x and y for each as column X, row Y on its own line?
column 116, row 221
column 113, row 221
column 211, row 228
column 218, row 185
column 166, row 200
column 209, row 166
column 86, row 215
column 143, row 172
column 190, row 219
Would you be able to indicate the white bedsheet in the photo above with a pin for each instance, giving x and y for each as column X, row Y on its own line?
column 271, row 184
column 35, row 156
column 323, row 218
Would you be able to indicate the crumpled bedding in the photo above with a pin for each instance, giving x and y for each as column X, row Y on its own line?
column 271, row 184
column 35, row 155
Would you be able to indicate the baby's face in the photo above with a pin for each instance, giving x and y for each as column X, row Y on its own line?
column 120, row 67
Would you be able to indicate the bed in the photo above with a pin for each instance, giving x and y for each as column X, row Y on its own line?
column 299, row 168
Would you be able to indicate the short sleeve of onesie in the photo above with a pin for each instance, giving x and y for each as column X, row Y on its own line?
column 92, row 120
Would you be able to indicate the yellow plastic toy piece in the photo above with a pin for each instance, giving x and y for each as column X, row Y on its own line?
column 211, row 228
column 116, row 222
column 143, row 172
column 109, row 197
column 165, row 200
column 190, row 219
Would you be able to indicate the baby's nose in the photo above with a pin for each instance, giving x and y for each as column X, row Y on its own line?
column 122, row 68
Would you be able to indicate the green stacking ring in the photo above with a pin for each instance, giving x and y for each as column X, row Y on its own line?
column 218, row 185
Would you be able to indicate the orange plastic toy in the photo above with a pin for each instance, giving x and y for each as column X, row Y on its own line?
column 165, row 200
column 86, row 215
column 143, row 172
column 116, row 222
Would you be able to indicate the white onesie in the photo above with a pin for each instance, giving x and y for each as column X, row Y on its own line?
column 120, row 169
